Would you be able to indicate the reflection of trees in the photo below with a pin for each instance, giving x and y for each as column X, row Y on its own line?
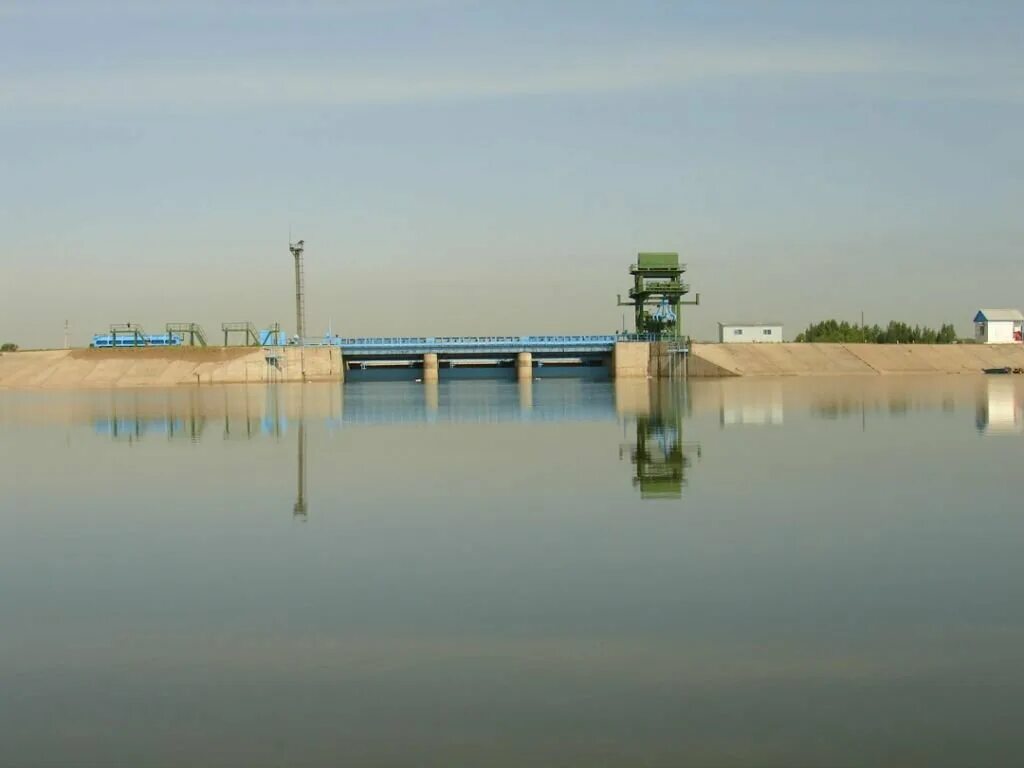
column 841, row 406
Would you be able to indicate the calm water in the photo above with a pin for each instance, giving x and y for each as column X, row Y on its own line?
column 570, row 573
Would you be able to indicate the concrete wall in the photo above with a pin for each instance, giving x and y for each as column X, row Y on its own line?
column 106, row 368
column 834, row 359
column 631, row 359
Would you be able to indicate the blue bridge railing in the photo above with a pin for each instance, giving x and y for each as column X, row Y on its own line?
column 390, row 345
column 470, row 344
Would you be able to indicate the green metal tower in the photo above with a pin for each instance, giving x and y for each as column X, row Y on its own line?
column 658, row 283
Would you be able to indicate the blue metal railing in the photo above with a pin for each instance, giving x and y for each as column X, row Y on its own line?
column 475, row 341
column 503, row 344
column 415, row 344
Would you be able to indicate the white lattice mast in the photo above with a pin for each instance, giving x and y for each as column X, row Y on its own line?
column 300, row 290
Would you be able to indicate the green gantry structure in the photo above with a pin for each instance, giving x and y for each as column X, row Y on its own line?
column 658, row 283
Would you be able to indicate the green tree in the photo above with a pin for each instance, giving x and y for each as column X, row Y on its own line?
column 896, row 332
column 8, row 346
column 947, row 334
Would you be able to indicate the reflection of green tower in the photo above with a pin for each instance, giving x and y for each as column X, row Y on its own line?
column 660, row 455
column 660, row 462
column 658, row 283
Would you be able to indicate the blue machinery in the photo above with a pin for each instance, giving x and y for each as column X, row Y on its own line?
column 141, row 340
column 128, row 335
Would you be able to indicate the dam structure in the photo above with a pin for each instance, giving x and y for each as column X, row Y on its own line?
column 429, row 355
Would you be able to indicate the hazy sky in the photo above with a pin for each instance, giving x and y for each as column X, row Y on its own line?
column 461, row 166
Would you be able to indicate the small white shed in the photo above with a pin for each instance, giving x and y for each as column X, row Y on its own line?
column 749, row 333
column 998, row 326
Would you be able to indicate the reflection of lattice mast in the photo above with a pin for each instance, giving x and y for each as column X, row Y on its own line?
column 300, row 509
column 300, row 290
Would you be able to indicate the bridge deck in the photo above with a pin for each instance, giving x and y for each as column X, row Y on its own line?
column 365, row 347
column 413, row 345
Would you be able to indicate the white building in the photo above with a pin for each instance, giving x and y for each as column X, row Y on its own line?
column 749, row 333
column 998, row 326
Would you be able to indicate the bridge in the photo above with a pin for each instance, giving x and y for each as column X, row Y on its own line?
column 431, row 353
column 423, row 357
column 471, row 345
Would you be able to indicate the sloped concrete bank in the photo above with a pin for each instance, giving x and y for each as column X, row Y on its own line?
column 114, row 368
column 713, row 360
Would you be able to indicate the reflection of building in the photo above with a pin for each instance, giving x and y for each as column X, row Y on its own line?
column 659, row 454
column 758, row 405
column 1000, row 409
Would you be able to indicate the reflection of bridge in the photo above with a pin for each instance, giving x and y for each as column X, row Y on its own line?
column 479, row 402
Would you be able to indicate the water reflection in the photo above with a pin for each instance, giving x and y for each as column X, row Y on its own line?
column 128, row 422
column 301, row 508
column 1000, row 408
column 658, row 452
column 751, row 403
column 651, row 413
column 495, row 554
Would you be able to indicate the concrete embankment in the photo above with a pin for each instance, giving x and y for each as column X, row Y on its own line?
column 165, row 367
column 710, row 360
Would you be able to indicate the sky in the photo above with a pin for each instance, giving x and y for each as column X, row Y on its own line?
column 490, row 167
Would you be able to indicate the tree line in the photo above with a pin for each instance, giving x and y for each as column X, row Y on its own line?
column 833, row 331
column 8, row 346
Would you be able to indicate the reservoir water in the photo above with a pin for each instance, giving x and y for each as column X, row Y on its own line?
column 564, row 573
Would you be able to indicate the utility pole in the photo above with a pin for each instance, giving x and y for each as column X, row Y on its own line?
column 300, row 291
column 67, row 342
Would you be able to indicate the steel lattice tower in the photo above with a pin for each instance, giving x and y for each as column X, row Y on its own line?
column 300, row 290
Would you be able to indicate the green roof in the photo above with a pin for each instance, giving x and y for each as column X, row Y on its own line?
column 657, row 260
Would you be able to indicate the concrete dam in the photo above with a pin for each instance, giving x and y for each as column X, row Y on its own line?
column 419, row 358
column 428, row 360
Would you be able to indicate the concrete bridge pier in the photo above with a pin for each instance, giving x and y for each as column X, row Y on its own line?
column 430, row 367
column 524, row 366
